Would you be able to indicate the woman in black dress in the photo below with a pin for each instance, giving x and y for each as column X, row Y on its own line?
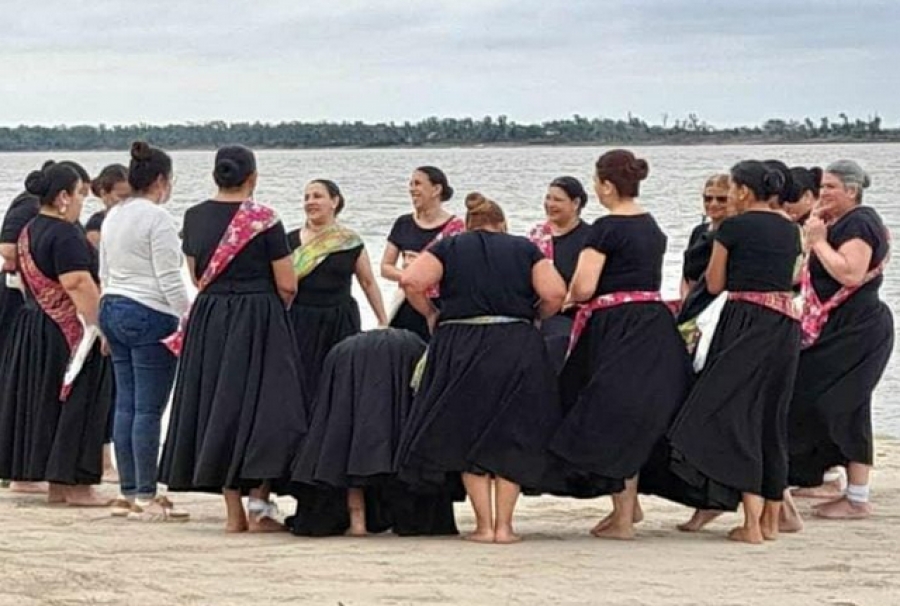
column 326, row 257
column 699, row 248
column 111, row 186
column 238, row 410
column 628, row 371
column 729, row 443
column 805, row 193
column 561, row 238
column 487, row 401
column 848, row 340
column 415, row 232
column 53, row 421
column 22, row 210
column 344, row 472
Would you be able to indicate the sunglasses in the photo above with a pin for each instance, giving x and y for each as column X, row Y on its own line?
column 720, row 199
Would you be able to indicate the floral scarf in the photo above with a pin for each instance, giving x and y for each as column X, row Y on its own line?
column 613, row 299
column 52, row 299
column 333, row 239
column 249, row 221
column 542, row 237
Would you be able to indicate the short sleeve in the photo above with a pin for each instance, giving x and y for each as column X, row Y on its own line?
column 534, row 253
column 15, row 221
column 72, row 252
column 276, row 242
column 603, row 237
column 697, row 233
column 396, row 236
column 95, row 223
column 188, row 241
column 863, row 228
column 441, row 249
column 293, row 238
column 727, row 234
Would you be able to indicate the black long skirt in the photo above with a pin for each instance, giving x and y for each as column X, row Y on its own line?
column 556, row 331
column 238, row 411
column 831, row 411
column 10, row 303
column 42, row 438
column 363, row 402
column 731, row 435
column 621, row 387
column 488, row 403
column 408, row 318
column 319, row 328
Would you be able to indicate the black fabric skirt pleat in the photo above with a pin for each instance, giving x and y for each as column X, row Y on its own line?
column 317, row 329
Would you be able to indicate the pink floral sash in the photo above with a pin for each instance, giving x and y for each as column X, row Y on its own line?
column 454, row 226
column 249, row 221
column 52, row 299
column 815, row 311
column 613, row 299
column 780, row 302
column 541, row 236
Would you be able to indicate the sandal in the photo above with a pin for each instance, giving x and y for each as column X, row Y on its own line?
column 120, row 508
column 160, row 509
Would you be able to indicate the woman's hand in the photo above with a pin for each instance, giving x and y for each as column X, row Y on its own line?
column 815, row 230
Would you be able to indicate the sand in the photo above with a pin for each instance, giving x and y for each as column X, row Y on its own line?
column 60, row 555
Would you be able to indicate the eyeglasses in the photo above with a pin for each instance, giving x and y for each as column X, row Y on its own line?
column 719, row 199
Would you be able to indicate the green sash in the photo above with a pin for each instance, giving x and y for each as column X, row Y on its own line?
column 333, row 239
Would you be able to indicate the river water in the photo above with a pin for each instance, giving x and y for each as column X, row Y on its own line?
column 375, row 185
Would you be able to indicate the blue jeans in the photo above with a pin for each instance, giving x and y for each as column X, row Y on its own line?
column 145, row 371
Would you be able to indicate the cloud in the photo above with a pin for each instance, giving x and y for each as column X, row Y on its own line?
column 116, row 61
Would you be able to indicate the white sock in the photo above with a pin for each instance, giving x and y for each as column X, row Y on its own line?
column 858, row 494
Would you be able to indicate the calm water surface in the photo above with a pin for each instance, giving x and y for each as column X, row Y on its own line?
column 374, row 183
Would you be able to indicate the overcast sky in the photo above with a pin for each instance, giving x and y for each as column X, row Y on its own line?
column 729, row 61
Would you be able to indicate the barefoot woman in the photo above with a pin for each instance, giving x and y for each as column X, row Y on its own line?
column 487, row 402
column 238, row 411
column 50, row 430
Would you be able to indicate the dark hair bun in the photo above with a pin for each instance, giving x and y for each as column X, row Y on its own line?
column 640, row 169
column 141, row 151
column 37, row 182
column 233, row 166
column 47, row 164
column 446, row 193
column 774, row 182
column 817, row 173
column 227, row 173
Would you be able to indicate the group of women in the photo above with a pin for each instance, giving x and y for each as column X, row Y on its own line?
column 553, row 365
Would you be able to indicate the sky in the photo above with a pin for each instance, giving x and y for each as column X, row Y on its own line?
column 173, row 61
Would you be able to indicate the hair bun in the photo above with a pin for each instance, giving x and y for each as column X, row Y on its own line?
column 640, row 169
column 446, row 193
column 867, row 180
column 37, row 183
column 47, row 164
column 774, row 182
column 140, row 151
column 817, row 174
column 476, row 203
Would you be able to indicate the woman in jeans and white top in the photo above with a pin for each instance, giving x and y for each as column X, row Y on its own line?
column 143, row 298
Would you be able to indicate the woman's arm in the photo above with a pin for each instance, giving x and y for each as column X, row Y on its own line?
column 285, row 279
column 389, row 269
column 549, row 286
column 192, row 270
column 425, row 272
column 9, row 255
column 80, row 287
column 93, row 237
column 847, row 264
column 717, row 269
column 166, row 260
column 366, row 279
column 587, row 275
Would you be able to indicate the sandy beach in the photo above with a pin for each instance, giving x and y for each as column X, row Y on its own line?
column 60, row 556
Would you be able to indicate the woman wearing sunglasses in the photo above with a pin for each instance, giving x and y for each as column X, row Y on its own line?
column 699, row 249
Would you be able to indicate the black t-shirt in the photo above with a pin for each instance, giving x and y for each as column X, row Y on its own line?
column 567, row 248
column 698, row 252
column 762, row 251
column 59, row 247
column 407, row 236
column 487, row 274
column 95, row 222
column 251, row 270
column 331, row 281
column 862, row 223
column 23, row 209
column 634, row 247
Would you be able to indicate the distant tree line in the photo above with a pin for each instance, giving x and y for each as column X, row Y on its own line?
column 577, row 130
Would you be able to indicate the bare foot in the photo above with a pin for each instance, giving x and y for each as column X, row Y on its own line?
column 355, row 531
column 844, row 509
column 828, row 490
column 607, row 521
column 265, row 524
column 790, row 521
column 29, row 487
column 616, row 531
column 769, row 531
column 56, row 494
column 236, row 526
column 701, row 518
column 84, row 496
column 480, row 536
column 745, row 535
column 506, row 536
column 110, row 476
